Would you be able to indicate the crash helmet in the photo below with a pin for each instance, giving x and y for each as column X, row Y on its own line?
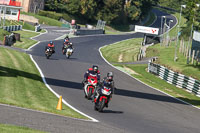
column 110, row 75
column 51, row 43
column 95, row 68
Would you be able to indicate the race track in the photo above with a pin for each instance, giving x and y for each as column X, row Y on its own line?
column 135, row 107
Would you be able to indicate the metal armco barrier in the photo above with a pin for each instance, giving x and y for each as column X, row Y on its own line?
column 190, row 84
column 88, row 32
column 12, row 28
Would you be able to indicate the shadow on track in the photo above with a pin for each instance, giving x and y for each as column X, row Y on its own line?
column 63, row 83
column 114, row 112
column 121, row 92
column 148, row 96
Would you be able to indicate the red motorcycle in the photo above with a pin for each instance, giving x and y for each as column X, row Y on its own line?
column 102, row 98
column 90, row 85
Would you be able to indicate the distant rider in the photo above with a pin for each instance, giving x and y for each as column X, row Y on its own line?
column 50, row 45
column 66, row 45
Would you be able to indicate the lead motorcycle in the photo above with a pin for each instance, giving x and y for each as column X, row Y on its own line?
column 69, row 52
column 48, row 52
column 90, row 86
column 102, row 98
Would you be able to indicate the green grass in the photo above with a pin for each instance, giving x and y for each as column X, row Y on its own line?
column 16, row 129
column 165, row 57
column 2, row 33
column 127, row 49
column 149, row 78
column 45, row 20
column 160, row 84
column 25, row 42
column 21, row 85
column 25, row 25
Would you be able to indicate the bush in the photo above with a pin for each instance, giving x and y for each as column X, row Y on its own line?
column 50, row 14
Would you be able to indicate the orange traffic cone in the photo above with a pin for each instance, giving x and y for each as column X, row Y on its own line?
column 59, row 106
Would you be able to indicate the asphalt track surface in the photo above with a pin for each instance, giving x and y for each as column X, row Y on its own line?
column 135, row 107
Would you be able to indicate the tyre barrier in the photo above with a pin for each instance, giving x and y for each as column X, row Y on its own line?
column 179, row 80
column 9, row 40
column 12, row 28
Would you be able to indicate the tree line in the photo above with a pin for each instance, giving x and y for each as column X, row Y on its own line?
column 111, row 11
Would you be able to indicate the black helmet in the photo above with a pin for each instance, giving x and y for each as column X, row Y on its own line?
column 110, row 75
column 51, row 42
column 95, row 68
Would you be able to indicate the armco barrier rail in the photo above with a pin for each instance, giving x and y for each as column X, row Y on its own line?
column 89, row 32
column 12, row 28
column 190, row 84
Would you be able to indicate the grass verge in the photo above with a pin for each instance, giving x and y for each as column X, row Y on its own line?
column 45, row 20
column 21, row 85
column 17, row 129
column 140, row 72
column 25, row 41
column 113, row 52
column 127, row 50
column 2, row 33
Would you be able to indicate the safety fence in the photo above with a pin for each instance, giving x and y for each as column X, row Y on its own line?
column 89, row 31
column 190, row 84
column 12, row 28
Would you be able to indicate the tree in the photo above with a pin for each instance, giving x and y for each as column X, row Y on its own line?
column 109, row 10
column 88, row 8
column 192, row 16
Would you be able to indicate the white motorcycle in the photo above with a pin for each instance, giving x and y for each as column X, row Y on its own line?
column 69, row 52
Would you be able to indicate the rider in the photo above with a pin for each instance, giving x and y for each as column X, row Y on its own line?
column 66, row 45
column 66, row 38
column 94, row 70
column 108, row 82
column 50, row 45
column 109, row 79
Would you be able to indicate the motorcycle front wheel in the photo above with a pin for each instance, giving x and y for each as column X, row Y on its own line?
column 101, row 105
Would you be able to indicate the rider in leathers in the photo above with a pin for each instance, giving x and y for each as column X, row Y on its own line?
column 108, row 82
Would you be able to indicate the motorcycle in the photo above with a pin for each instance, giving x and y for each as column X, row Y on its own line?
column 90, row 86
column 69, row 52
column 48, row 52
column 102, row 98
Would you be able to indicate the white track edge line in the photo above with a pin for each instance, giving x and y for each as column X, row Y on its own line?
column 13, row 106
column 57, row 95
column 140, row 80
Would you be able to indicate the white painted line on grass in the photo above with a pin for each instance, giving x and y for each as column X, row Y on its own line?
column 36, row 40
column 57, row 95
column 140, row 80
